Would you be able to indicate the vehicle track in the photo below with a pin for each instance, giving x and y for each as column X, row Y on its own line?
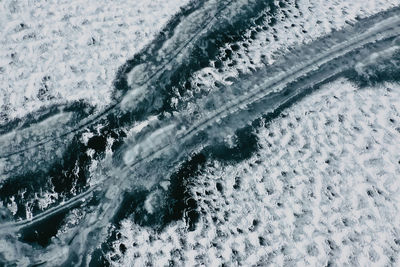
column 154, row 59
column 268, row 81
column 168, row 142
column 178, row 135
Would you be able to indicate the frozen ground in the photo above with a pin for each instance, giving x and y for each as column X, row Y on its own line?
column 323, row 189
column 320, row 188
column 61, row 51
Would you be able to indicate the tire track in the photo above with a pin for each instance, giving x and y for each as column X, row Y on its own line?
column 177, row 132
column 171, row 140
column 170, row 47
column 28, row 147
column 272, row 89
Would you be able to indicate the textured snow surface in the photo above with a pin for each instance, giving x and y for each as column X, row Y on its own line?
column 58, row 51
column 323, row 188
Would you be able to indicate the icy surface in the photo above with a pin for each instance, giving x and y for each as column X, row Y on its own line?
column 323, row 188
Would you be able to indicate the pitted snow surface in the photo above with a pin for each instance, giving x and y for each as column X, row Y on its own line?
column 57, row 51
column 322, row 189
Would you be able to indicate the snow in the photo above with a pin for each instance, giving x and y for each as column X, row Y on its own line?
column 323, row 186
column 328, row 191
column 53, row 52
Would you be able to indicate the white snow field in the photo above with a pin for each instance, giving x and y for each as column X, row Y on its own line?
column 323, row 189
column 58, row 51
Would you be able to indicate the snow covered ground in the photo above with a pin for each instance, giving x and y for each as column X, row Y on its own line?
column 59, row 51
column 323, row 189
